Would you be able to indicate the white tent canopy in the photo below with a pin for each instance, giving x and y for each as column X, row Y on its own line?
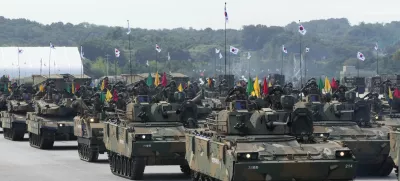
column 61, row 60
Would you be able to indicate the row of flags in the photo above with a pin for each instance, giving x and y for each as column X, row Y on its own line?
column 253, row 88
column 327, row 85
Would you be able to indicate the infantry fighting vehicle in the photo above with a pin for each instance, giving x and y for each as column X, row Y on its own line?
column 89, row 123
column 14, row 120
column 149, row 134
column 243, row 144
column 4, row 91
column 347, row 121
column 53, row 115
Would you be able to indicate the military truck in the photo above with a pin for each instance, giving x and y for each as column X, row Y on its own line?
column 53, row 114
column 13, row 120
column 347, row 121
column 244, row 144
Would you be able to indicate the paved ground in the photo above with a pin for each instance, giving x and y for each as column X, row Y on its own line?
column 20, row 162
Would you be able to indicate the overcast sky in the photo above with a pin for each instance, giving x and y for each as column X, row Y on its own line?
column 156, row 14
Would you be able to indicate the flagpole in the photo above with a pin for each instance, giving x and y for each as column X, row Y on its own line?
column 107, row 55
column 19, row 69
column 115, row 68
column 282, row 63
column 129, row 47
column 301, row 73
column 305, row 66
column 41, row 66
column 156, row 60
column 377, row 63
column 49, row 62
column 358, row 69
column 225, row 43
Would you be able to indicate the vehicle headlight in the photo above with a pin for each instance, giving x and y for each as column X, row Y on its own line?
column 91, row 120
column 343, row 154
column 143, row 137
column 321, row 135
column 247, row 156
column 376, row 117
column 61, row 125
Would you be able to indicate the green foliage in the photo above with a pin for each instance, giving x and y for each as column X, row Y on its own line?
column 333, row 43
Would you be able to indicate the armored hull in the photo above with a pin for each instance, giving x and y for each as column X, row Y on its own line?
column 140, row 144
column 369, row 145
column 269, row 158
column 42, row 107
column 14, row 125
column 43, row 131
column 19, row 106
column 89, row 132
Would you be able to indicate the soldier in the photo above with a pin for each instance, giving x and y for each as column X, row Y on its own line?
column 169, row 91
column 190, row 92
column 236, row 93
column 340, row 94
column 274, row 97
column 196, row 86
column 141, row 88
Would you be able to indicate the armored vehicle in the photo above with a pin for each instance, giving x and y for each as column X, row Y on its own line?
column 347, row 121
column 89, row 123
column 53, row 114
column 4, row 92
column 244, row 144
column 150, row 133
column 13, row 120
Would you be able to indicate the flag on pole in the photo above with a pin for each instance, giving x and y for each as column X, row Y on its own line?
column 117, row 53
column 234, row 50
column 216, row 51
column 147, row 63
column 180, row 88
column 226, row 14
column 248, row 55
column 265, row 86
column 82, row 53
column 307, row 49
column 256, row 88
column 284, row 49
column 220, row 55
column 20, row 51
column 157, row 80
column 158, row 49
column 169, row 58
column 376, row 46
column 302, row 30
column 360, row 56
column 52, row 46
column 250, row 87
column 327, row 85
column 164, row 80
column 149, row 80
column 129, row 29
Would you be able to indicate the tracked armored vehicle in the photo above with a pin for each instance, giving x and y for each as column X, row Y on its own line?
column 149, row 134
column 89, row 123
column 53, row 115
column 4, row 92
column 14, row 120
column 347, row 120
column 244, row 144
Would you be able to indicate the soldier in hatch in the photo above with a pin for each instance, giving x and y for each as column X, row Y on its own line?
column 169, row 91
column 340, row 94
column 274, row 97
column 141, row 88
column 190, row 92
column 236, row 93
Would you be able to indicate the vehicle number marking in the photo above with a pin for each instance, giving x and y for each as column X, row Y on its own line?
column 147, row 146
column 348, row 166
column 253, row 167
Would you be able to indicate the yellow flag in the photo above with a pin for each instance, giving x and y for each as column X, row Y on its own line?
column 269, row 84
column 102, row 85
column 256, row 87
column 188, row 83
column 390, row 94
column 327, row 85
column 9, row 87
column 157, row 80
column 108, row 96
column 180, row 89
column 41, row 88
column 72, row 88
